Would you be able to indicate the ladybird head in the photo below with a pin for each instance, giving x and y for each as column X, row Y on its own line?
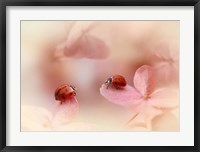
column 73, row 87
column 108, row 82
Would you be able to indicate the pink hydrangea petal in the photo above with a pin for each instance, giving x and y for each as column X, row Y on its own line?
column 73, row 51
column 144, row 80
column 98, row 48
column 167, row 73
column 164, row 98
column 162, row 51
column 87, row 46
column 77, row 30
column 65, row 112
column 166, row 62
column 167, row 50
column 126, row 96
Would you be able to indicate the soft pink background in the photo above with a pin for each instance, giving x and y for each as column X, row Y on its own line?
column 85, row 54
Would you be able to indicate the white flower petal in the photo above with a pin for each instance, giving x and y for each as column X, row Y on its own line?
column 165, row 98
column 146, row 112
column 35, row 119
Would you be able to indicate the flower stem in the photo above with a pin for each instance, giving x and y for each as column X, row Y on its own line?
column 132, row 118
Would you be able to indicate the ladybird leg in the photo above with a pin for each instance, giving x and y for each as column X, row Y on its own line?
column 74, row 93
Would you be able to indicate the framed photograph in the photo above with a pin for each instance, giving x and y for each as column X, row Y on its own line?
column 99, row 75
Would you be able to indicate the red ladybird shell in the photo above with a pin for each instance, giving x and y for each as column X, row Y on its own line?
column 64, row 92
column 118, row 81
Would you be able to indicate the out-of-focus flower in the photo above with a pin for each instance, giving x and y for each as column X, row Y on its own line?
column 80, row 43
column 166, row 62
column 87, row 45
column 161, row 122
column 40, row 119
column 144, row 100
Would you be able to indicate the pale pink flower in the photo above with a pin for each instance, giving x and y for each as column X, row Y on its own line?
column 81, row 43
column 166, row 62
column 143, row 99
column 88, row 46
column 65, row 113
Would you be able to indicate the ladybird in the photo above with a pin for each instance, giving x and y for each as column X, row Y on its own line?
column 65, row 92
column 117, row 81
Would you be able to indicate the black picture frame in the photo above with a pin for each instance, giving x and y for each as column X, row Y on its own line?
column 5, row 3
